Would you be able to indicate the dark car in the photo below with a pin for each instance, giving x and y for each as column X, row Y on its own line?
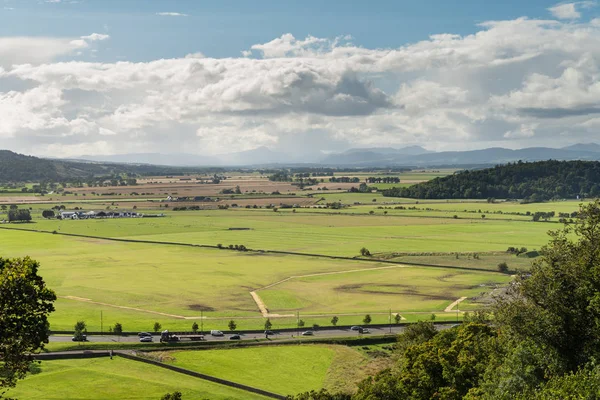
column 269, row 333
column 82, row 338
column 356, row 328
column 235, row 337
column 144, row 334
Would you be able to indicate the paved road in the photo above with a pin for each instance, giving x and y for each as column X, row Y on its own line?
column 320, row 333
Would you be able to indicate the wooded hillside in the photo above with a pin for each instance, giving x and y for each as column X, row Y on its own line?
column 21, row 168
column 536, row 181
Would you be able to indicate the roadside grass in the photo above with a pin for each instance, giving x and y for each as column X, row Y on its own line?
column 286, row 370
column 102, row 378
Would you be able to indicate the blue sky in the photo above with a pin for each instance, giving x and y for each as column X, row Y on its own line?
column 224, row 28
column 302, row 78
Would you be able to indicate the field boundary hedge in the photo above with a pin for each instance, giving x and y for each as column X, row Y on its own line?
column 208, row 246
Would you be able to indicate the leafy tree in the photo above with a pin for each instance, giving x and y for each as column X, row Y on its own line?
column 323, row 394
column 232, row 325
column 503, row 267
column 195, row 327
column 48, row 214
column 172, row 396
column 13, row 207
column 334, row 320
column 268, row 324
column 300, row 323
column 80, row 331
column 157, row 326
column 19, row 215
column 367, row 319
column 397, row 318
column 118, row 329
column 3, row 206
column 365, row 252
column 558, row 304
column 25, row 302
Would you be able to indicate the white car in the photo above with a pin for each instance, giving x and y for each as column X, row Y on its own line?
column 216, row 333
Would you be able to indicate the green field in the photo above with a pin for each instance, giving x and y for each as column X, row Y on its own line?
column 138, row 284
column 400, row 289
column 170, row 283
column 281, row 369
column 331, row 234
column 102, row 378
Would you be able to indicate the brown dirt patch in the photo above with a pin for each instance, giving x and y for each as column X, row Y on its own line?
column 200, row 307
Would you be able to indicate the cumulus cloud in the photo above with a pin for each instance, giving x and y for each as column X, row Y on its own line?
column 510, row 83
column 95, row 37
column 570, row 10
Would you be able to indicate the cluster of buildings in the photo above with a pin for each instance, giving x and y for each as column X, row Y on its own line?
column 98, row 214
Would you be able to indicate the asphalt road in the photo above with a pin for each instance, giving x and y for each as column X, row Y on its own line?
column 320, row 333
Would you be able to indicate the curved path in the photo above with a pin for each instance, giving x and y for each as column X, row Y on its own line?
column 455, row 304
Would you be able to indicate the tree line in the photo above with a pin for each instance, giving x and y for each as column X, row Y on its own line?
column 532, row 182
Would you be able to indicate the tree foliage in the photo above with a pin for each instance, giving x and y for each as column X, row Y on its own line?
column 21, row 215
column 536, row 181
column 26, row 302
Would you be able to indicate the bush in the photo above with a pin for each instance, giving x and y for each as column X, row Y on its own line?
column 503, row 267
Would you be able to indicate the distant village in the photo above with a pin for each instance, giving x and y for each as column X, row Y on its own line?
column 103, row 214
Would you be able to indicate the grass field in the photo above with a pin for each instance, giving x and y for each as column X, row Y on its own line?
column 156, row 280
column 331, row 234
column 138, row 284
column 102, row 378
column 281, row 369
column 399, row 289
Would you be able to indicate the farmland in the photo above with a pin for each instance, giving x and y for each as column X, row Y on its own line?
column 137, row 271
column 102, row 378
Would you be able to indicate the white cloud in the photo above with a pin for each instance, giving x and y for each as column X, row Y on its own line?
column 172, row 14
column 513, row 82
column 94, row 37
column 570, row 10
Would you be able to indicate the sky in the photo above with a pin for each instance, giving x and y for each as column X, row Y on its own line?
column 100, row 77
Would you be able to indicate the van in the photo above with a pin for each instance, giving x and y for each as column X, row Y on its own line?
column 216, row 333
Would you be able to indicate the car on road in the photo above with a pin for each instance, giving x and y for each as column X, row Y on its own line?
column 82, row 338
column 356, row 328
column 144, row 334
column 308, row 333
column 216, row 333
column 365, row 330
column 146, row 339
column 269, row 333
column 235, row 337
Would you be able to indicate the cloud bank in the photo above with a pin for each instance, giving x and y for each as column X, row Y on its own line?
column 512, row 83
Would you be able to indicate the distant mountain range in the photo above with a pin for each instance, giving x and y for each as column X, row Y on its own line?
column 17, row 167
column 365, row 157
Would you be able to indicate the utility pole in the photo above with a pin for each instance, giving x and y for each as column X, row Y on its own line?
column 298, row 324
column 390, row 320
column 101, row 323
column 201, row 323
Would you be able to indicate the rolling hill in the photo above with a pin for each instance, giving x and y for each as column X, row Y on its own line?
column 535, row 181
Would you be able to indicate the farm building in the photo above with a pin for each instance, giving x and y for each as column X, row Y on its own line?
column 99, row 214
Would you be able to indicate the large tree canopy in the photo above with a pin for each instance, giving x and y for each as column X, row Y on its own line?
column 25, row 303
